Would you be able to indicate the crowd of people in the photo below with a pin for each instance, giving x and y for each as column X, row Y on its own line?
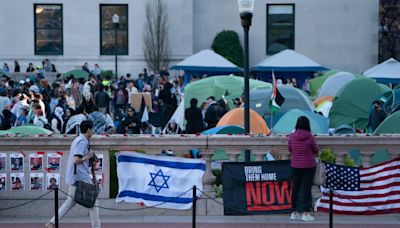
column 50, row 104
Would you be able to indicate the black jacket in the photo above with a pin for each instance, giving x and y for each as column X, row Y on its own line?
column 194, row 119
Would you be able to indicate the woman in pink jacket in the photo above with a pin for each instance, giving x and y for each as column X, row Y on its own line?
column 303, row 149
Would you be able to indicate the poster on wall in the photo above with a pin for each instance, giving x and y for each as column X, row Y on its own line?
column 3, row 181
column 36, row 181
column 257, row 187
column 99, row 179
column 17, row 162
column 17, row 181
column 36, row 162
column 53, row 161
column 53, row 180
column 99, row 165
column 3, row 166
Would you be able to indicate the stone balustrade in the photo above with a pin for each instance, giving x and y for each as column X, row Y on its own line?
column 180, row 144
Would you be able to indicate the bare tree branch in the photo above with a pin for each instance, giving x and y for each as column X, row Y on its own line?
column 155, row 35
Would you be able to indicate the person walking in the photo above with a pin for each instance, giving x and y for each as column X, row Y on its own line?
column 302, row 147
column 78, row 170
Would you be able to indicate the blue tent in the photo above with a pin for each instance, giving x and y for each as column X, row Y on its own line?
column 287, row 64
column 205, row 62
column 227, row 129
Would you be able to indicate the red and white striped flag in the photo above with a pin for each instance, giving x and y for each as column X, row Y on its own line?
column 379, row 192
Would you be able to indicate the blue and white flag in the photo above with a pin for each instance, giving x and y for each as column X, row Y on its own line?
column 160, row 181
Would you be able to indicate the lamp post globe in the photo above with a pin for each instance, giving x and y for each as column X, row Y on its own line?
column 115, row 21
column 246, row 8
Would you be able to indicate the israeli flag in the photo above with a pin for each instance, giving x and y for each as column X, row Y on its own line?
column 160, row 181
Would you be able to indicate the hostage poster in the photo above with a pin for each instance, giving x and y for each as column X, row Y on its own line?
column 257, row 187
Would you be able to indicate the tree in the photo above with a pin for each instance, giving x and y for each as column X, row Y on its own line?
column 389, row 32
column 155, row 35
column 227, row 44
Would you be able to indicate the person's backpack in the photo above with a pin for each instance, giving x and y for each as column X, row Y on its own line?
column 46, row 125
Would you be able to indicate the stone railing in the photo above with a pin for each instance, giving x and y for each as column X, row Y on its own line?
column 180, row 144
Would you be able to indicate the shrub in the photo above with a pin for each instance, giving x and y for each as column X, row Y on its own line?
column 227, row 44
column 348, row 161
column 327, row 156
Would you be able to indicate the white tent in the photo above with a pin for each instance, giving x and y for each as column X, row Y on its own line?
column 178, row 117
column 206, row 61
column 334, row 83
column 288, row 60
column 386, row 72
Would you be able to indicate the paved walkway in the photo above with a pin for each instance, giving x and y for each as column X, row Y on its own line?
column 265, row 221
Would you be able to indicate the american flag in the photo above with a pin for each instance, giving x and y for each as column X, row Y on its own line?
column 377, row 192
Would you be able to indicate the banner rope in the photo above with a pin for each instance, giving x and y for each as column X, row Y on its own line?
column 132, row 209
column 25, row 203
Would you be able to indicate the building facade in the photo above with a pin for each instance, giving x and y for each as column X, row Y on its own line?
column 339, row 34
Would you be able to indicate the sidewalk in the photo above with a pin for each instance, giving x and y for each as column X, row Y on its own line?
column 263, row 221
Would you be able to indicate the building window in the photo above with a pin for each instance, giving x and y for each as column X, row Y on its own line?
column 107, row 30
column 280, row 28
column 48, row 21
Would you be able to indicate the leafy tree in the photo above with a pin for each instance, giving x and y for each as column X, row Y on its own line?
column 227, row 44
column 389, row 36
column 155, row 35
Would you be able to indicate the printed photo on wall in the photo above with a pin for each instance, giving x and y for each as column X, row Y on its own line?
column 17, row 162
column 36, row 181
column 17, row 181
column 3, row 181
column 99, row 179
column 36, row 162
column 99, row 165
column 3, row 157
column 53, row 180
column 53, row 161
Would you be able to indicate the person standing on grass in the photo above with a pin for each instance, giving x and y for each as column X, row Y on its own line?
column 78, row 170
column 303, row 148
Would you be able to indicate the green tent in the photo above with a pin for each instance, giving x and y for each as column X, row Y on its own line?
column 77, row 74
column 390, row 125
column 352, row 103
column 287, row 123
column 30, row 130
column 6, row 133
column 218, row 86
column 317, row 82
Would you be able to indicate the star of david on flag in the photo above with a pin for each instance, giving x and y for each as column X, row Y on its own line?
column 160, row 181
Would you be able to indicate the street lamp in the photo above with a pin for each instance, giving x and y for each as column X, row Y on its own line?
column 115, row 20
column 246, row 8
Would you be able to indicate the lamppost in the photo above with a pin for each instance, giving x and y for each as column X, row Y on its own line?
column 246, row 8
column 115, row 20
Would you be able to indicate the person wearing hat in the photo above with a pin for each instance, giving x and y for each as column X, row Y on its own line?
column 376, row 116
column 212, row 115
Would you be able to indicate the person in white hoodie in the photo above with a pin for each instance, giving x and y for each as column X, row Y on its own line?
column 39, row 119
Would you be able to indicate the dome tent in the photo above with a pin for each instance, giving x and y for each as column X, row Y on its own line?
column 294, row 99
column 287, row 123
column 352, row 103
column 390, row 125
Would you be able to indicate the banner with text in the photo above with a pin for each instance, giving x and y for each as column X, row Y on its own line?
column 257, row 187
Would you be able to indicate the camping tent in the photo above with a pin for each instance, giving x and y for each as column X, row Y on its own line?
column 390, row 125
column 178, row 117
column 334, row 83
column 294, row 99
column 287, row 63
column 236, row 117
column 352, row 103
column 205, row 62
column 227, row 129
column 30, row 130
column 287, row 123
column 386, row 72
column 219, row 86
column 317, row 82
